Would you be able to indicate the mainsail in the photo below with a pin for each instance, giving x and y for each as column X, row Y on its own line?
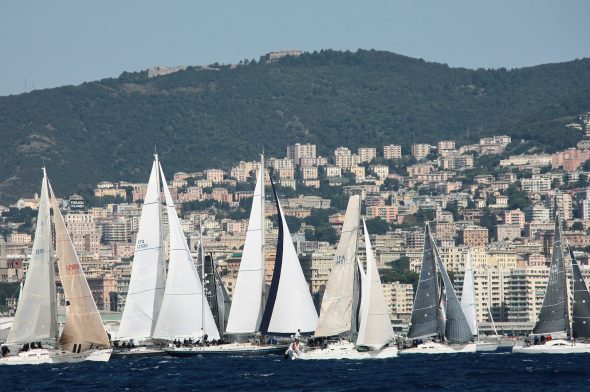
column 148, row 273
column 375, row 329
column 83, row 328
column 337, row 312
column 581, row 308
column 183, row 314
column 553, row 316
column 468, row 304
column 247, row 306
column 35, row 317
column 289, row 307
column 424, row 321
column 457, row 328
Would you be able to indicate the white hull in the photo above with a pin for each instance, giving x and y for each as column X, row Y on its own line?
column 438, row 348
column 226, row 349
column 557, row 346
column 340, row 350
column 138, row 352
column 41, row 356
column 486, row 346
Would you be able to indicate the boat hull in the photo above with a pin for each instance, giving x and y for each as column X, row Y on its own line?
column 558, row 346
column 486, row 347
column 340, row 350
column 43, row 356
column 438, row 348
column 226, row 349
column 138, row 352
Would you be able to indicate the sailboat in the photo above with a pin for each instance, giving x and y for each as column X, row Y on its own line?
column 554, row 313
column 354, row 329
column 469, row 307
column 437, row 311
column 83, row 337
column 148, row 276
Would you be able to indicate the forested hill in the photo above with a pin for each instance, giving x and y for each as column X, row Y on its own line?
column 205, row 117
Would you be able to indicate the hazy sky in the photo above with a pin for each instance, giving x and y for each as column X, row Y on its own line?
column 52, row 43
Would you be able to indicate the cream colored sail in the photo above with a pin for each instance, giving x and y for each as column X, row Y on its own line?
column 337, row 305
column 83, row 328
column 375, row 330
column 35, row 317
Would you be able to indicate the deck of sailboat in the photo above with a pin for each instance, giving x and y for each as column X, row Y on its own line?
column 53, row 356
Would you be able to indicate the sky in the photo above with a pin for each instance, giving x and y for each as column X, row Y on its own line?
column 47, row 44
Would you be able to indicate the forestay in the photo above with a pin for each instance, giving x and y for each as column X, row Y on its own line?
column 83, row 329
column 336, row 312
column 375, row 329
column 182, row 314
column 424, row 322
column 468, row 304
column 247, row 306
column 289, row 306
column 35, row 317
column 148, row 271
column 553, row 316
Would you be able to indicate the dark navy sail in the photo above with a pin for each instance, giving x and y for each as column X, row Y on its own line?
column 553, row 316
column 424, row 320
column 581, row 311
column 456, row 327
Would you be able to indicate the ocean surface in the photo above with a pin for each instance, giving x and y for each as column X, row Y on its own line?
column 482, row 372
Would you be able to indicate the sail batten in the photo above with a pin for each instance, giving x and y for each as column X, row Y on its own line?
column 424, row 319
column 184, row 313
column 553, row 316
column 337, row 313
column 148, row 271
column 35, row 317
column 246, row 311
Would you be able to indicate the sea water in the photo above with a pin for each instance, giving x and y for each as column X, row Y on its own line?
column 456, row 372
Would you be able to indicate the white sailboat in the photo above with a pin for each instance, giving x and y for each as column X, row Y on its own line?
column 469, row 307
column 554, row 314
column 183, row 314
column 437, row 313
column 374, row 333
column 83, row 337
column 148, row 275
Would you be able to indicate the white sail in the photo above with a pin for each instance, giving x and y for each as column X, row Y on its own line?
column 246, row 309
column 182, row 314
column 35, row 317
column 468, row 304
column 289, row 307
column 336, row 313
column 375, row 330
column 83, row 329
column 146, row 287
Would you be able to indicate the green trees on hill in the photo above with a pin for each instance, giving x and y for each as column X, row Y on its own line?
column 199, row 118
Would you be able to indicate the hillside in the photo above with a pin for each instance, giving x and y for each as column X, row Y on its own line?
column 201, row 118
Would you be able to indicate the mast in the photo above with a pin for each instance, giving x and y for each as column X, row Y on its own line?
column 263, row 237
column 204, row 296
column 52, row 287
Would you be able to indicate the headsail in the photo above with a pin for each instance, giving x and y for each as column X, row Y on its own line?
column 424, row 321
column 246, row 311
column 457, row 328
column 468, row 304
column 83, row 327
column 553, row 316
column 337, row 312
column 182, row 314
column 581, row 309
column 148, row 273
column 375, row 330
column 289, row 307
column 36, row 317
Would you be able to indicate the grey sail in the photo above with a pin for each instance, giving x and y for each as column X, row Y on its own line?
column 424, row 321
column 581, row 311
column 553, row 316
column 456, row 327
